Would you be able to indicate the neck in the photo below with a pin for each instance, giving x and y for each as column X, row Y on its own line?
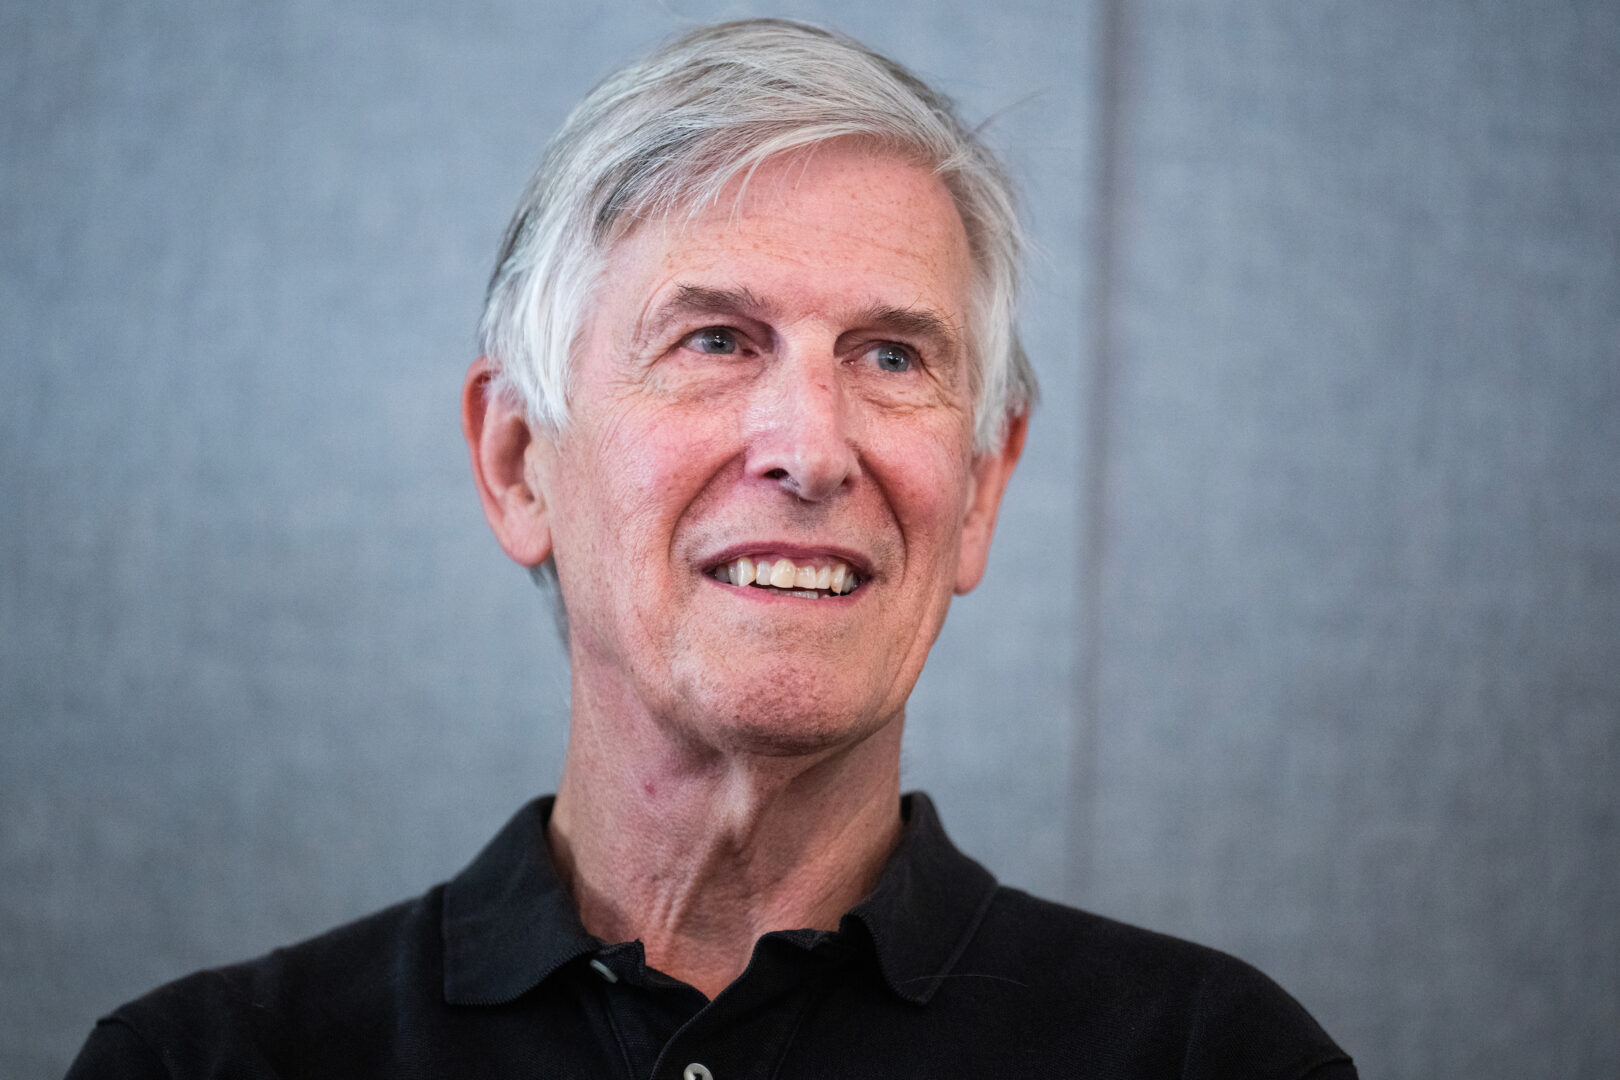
column 697, row 851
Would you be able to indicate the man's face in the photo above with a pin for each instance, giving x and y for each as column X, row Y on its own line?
column 780, row 379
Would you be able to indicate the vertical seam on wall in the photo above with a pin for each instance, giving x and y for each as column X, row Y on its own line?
column 1109, row 58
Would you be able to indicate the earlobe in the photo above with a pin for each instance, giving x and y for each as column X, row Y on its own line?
column 499, row 441
column 991, row 471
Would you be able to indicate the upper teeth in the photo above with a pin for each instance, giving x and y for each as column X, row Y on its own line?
column 834, row 576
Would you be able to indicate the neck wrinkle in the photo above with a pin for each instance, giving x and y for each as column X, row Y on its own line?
column 697, row 852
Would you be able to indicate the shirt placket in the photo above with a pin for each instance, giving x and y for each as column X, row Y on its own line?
column 744, row 1032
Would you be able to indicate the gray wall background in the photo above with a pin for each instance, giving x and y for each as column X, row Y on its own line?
column 1301, row 638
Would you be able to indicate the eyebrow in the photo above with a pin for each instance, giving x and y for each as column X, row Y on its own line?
column 912, row 322
column 698, row 299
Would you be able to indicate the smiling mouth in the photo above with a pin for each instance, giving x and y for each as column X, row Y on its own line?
column 809, row 580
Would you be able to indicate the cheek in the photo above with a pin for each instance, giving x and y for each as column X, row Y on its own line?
column 649, row 464
column 928, row 481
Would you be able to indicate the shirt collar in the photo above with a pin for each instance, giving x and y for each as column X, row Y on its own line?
column 509, row 922
column 926, row 905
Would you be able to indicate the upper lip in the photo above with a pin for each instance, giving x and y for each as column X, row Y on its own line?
column 808, row 553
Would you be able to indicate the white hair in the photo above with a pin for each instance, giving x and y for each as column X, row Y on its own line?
column 669, row 132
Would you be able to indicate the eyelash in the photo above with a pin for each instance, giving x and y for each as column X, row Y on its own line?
column 737, row 341
column 692, row 340
column 908, row 355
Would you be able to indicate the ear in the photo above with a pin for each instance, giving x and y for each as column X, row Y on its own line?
column 501, row 444
column 991, row 471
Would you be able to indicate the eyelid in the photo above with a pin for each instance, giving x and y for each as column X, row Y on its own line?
column 913, row 354
column 743, row 342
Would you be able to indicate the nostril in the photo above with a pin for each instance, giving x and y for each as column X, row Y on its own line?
column 776, row 474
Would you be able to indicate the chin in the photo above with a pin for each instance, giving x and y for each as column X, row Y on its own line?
column 780, row 717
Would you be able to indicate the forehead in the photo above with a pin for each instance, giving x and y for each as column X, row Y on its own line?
column 836, row 228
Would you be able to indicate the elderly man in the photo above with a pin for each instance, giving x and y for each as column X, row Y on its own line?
column 750, row 394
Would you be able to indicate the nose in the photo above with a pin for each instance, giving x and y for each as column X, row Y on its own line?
column 799, row 432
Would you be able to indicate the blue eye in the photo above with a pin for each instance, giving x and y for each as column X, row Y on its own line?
column 714, row 340
column 891, row 358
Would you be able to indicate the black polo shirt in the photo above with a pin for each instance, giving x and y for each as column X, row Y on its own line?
column 940, row 972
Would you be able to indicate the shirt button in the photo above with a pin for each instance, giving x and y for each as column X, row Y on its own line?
column 696, row 1071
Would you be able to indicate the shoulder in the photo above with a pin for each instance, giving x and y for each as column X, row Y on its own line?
column 256, row 1019
column 1137, row 993
column 1050, row 935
